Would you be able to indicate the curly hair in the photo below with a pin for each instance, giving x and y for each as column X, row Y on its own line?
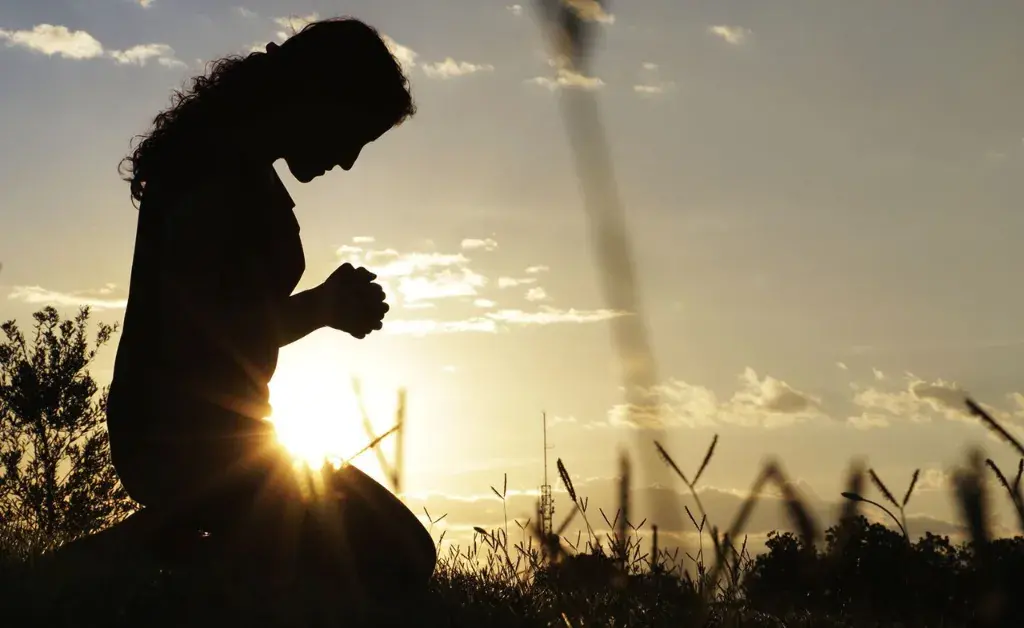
column 344, row 57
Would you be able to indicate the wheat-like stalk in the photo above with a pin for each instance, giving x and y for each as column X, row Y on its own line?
column 882, row 488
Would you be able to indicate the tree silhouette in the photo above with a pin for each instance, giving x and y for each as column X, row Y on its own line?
column 56, row 479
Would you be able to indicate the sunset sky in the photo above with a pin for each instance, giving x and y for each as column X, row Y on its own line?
column 825, row 200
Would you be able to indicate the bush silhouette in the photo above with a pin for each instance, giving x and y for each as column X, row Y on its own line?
column 56, row 479
column 879, row 576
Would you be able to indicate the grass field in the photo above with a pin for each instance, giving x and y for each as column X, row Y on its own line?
column 852, row 574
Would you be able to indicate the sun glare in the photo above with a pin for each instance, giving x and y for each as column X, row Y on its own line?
column 317, row 419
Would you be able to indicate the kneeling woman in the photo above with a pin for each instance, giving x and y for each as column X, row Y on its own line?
column 217, row 258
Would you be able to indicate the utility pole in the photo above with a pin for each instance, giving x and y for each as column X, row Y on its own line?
column 547, row 504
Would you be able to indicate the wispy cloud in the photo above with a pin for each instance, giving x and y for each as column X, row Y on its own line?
column 553, row 316
column 653, row 89
column 536, row 294
column 145, row 4
column 418, row 277
column 55, row 40
column 512, row 282
column 565, row 78
column 487, row 244
column 533, row 270
column 140, row 55
column 450, row 68
column 651, row 83
column 292, row 24
column 735, row 35
column 406, row 56
column 101, row 299
column 515, row 9
column 500, row 320
column 246, row 13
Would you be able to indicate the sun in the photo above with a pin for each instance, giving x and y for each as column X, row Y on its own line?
column 317, row 418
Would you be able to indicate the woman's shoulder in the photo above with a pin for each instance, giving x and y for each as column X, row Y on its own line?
column 225, row 199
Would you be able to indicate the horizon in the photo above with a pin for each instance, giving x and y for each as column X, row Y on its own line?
column 823, row 205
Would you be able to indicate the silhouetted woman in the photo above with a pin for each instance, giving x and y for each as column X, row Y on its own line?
column 217, row 257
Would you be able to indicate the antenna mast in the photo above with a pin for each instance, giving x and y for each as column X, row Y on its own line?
column 547, row 504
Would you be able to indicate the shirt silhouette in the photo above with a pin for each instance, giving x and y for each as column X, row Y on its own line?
column 190, row 385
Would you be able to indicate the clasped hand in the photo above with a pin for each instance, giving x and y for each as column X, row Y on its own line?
column 352, row 302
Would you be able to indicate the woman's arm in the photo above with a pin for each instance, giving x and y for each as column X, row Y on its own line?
column 300, row 315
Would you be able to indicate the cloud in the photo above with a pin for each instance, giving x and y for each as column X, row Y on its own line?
column 364, row 239
column 515, row 9
column 497, row 321
column 101, row 299
column 486, row 244
column 406, row 56
column 552, row 316
column 512, row 282
column 145, row 4
column 292, row 24
column 759, row 402
column 536, row 294
column 533, row 270
column 1018, row 400
column 654, row 89
column 561, row 420
column 448, row 283
column 417, row 277
column 923, row 401
column 140, row 55
column 51, row 40
column 244, row 12
column 651, row 84
column 842, row 366
column 735, row 35
column 867, row 421
column 450, row 68
column 566, row 78
column 919, row 402
column 423, row 327
column 879, row 375
column 933, row 480
column 773, row 395
column 417, row 280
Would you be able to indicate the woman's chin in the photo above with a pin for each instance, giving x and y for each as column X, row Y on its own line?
column 306, row 175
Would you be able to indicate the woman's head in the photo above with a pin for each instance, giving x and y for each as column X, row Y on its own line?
column 314, row 100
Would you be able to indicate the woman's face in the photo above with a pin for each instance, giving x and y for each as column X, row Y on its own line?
column 336, row 140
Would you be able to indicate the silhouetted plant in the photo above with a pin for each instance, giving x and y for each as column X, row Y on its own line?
column 56, row 479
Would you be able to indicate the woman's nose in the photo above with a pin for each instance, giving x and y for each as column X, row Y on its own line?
column 349, row 159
